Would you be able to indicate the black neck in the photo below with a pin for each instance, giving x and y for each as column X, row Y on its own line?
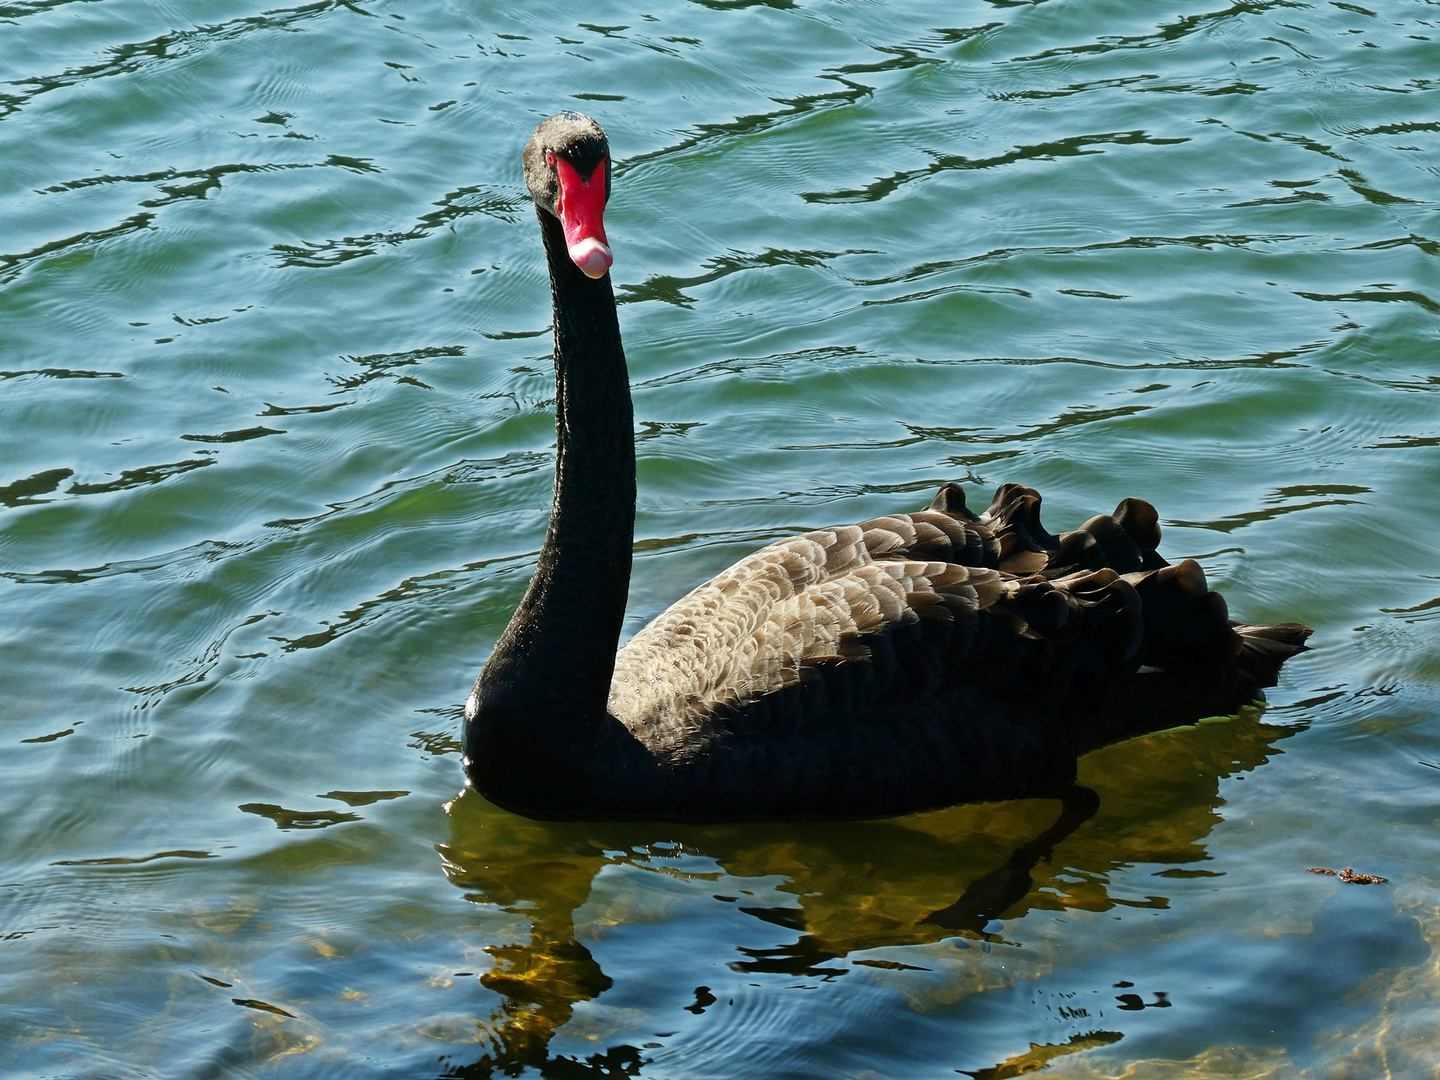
column 550, row 672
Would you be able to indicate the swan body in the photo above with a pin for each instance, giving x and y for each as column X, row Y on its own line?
column 904, row 663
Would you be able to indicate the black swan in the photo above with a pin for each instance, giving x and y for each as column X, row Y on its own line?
column 902, row 664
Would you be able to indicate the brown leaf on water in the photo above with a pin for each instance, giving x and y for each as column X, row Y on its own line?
column 1350, row 876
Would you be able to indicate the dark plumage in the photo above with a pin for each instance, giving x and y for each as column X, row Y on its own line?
column 904, row 663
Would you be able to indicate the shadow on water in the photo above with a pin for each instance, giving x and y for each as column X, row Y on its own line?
column 849, row 888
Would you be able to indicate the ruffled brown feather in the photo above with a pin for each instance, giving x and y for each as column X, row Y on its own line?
column 979, row 651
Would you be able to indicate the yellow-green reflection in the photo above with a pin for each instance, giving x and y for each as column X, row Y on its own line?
column 857, row 886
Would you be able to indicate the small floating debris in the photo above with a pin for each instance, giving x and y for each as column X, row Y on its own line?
column 1350, row 876
column 263, row 1006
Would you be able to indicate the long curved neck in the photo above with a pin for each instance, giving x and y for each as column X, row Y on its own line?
column 551, row 670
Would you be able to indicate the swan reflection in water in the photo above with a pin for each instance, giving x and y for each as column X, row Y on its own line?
column 971, row 874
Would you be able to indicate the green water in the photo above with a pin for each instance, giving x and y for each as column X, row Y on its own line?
column 276, row 434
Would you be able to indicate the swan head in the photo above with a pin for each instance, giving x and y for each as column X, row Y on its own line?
column 567, row 169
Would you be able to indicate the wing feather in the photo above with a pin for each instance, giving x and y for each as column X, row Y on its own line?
column 761, row 625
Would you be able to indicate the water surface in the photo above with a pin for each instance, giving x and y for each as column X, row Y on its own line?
column 276, row 438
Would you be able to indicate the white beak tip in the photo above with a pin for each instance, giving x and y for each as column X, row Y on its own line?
column 592, row 257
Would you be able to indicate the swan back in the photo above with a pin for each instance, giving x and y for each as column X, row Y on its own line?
column 788, row 610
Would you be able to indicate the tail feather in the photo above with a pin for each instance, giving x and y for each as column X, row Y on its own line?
column 1140, row 644
column 1264, row 648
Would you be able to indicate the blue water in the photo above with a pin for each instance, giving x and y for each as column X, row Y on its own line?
column 276, row 438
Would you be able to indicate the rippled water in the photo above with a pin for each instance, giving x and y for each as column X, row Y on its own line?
column 275, row 446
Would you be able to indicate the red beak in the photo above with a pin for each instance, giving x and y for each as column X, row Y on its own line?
column 581, row 207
